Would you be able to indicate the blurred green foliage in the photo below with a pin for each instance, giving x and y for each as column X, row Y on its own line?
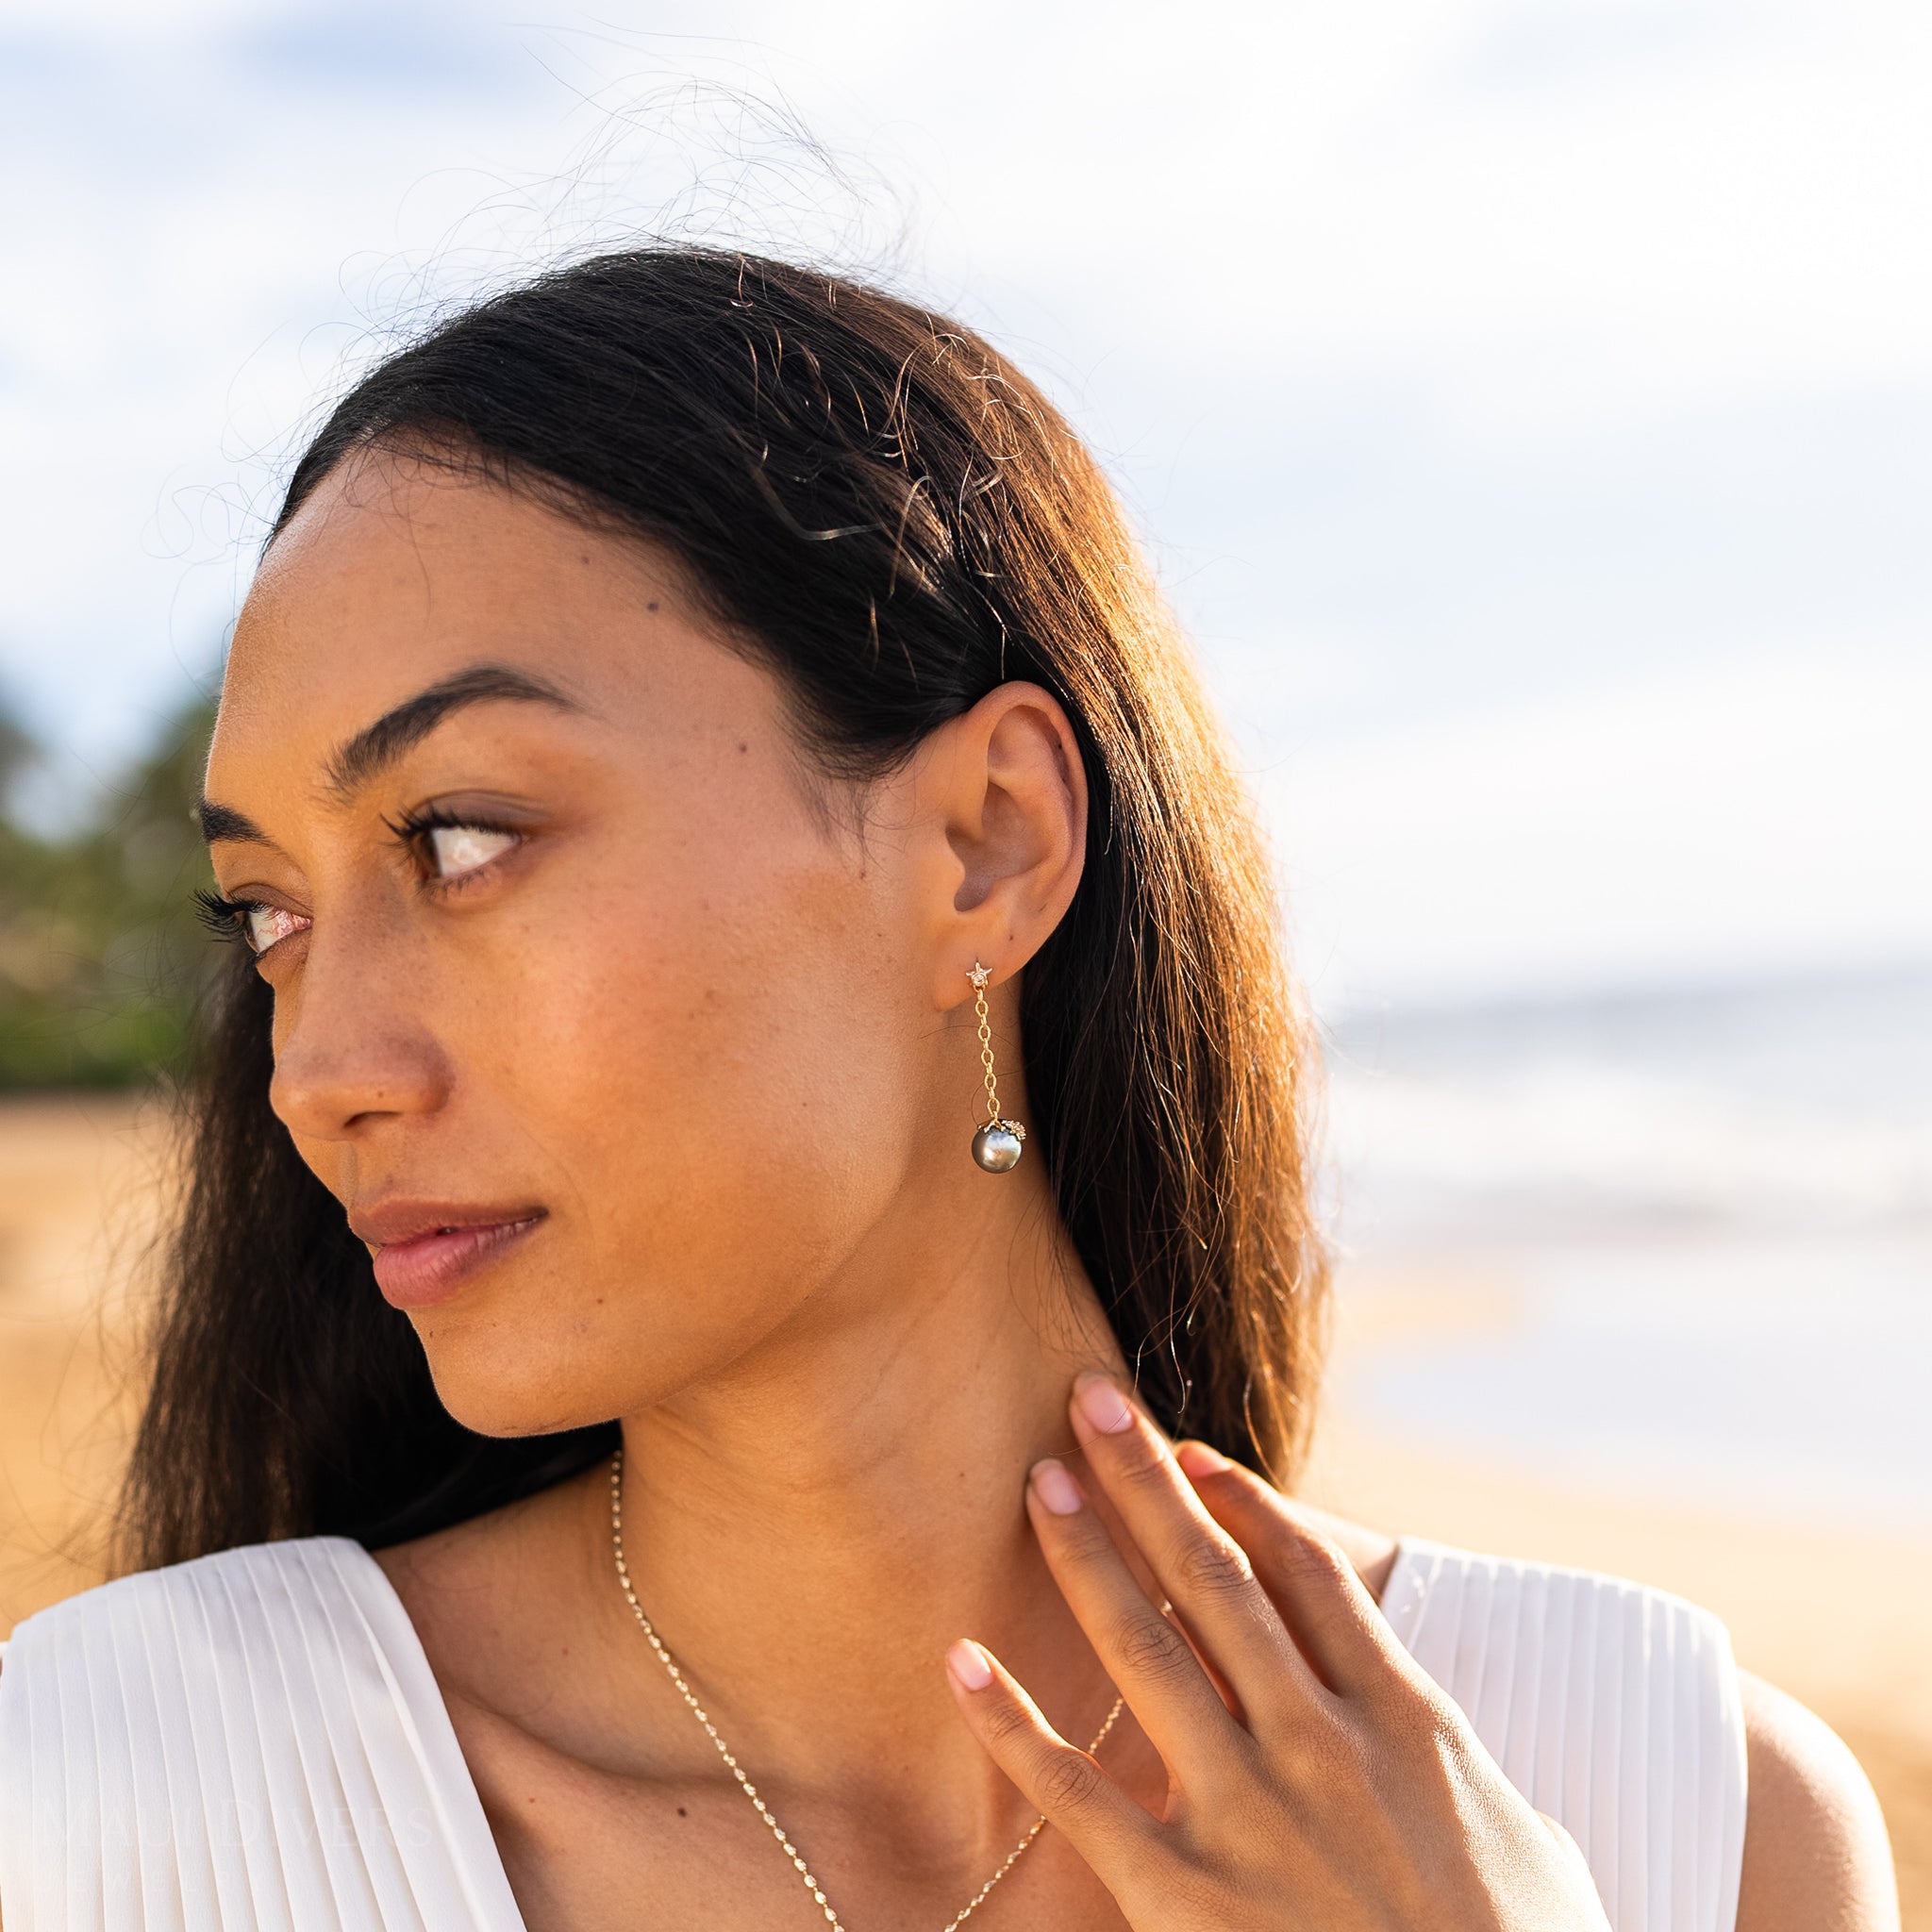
column 102, row 959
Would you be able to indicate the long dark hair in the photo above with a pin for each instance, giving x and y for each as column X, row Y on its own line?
column 882, row 510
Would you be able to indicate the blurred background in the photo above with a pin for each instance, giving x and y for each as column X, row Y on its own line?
column 1529, row 406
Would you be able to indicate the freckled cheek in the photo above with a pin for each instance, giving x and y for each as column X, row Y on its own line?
column 699, row 1019
column 688, row 1040
column 585, row 991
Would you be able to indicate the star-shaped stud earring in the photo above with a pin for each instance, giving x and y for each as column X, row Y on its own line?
column 979, row 975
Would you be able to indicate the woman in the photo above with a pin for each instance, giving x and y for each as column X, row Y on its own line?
column 744, row 918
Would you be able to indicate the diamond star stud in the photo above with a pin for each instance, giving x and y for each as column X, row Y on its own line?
column 979, row 975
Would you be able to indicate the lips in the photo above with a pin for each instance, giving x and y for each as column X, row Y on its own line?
column 426, row 1251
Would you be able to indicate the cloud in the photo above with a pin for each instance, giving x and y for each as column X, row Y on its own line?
column 1710, row 824
column 1467, row 361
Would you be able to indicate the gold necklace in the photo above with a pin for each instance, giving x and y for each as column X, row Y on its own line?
column 745, row 1784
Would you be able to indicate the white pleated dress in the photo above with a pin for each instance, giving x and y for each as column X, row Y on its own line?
column 253, row 1743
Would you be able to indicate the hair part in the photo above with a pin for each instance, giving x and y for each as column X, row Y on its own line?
column 875, row 505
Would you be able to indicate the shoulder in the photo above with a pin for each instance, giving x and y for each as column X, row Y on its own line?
column 1816, row 1856
column 135, row 1652
column 1570, row 1675
column 167, row 1691
column 1612, row 1706
column 484, row 1596
column 260, row 1718
column 260, row 1580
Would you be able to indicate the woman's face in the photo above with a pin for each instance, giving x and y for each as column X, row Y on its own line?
column 617, row 1038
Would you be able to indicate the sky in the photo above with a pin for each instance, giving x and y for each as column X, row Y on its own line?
column 1529, row 406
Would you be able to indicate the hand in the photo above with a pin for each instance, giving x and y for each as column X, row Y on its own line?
column 1319, row 1780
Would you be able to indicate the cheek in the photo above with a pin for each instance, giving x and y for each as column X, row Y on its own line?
column 722, row 1069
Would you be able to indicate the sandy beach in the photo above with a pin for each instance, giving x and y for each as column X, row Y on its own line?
column 1835, row 1615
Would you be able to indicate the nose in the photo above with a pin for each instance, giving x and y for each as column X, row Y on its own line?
column 352, row 1050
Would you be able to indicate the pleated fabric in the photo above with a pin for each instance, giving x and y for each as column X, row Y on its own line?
column 253, row 1743
column 1610, row 1707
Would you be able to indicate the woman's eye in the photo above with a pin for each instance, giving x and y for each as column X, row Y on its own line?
column 457, row 849
column 263, row 926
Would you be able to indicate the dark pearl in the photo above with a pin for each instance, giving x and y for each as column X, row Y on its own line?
column 996, row 1147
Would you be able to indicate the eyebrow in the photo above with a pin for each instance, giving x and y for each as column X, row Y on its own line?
column 377, row 746
column 223, row 822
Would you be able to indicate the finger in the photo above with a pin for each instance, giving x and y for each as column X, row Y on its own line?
column 1066, row 1785
column 1137, row 1567
column 1325, row 1605
column 1102, row 1505
column 1200, row 1565
column 1141, row 1649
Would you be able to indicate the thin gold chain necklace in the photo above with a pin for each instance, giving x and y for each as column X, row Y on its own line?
column 745, row 1784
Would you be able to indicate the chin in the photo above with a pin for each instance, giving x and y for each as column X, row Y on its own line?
column 491, row 1408
column 505, row 1382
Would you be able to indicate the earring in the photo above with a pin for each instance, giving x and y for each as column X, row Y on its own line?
column 997, row 1145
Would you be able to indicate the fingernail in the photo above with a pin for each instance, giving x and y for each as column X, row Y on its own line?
column 1196, row 1458
column 1053, row 1483
column 968, row 1664
column 1103, row 1405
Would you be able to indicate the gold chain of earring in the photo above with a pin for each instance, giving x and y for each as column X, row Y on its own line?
column 997, row 1145
column 993, row 1082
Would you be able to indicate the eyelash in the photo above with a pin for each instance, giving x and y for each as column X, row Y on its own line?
column 222, row 918
column 227, row 919
column 413, row 827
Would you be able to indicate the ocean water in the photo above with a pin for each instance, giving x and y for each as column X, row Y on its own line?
column 1707, row 1217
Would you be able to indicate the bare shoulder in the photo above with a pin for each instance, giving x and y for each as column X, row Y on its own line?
column 1816, row 1856
column 486, row 1594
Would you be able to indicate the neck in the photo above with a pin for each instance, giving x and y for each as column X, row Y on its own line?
column 809, row 1531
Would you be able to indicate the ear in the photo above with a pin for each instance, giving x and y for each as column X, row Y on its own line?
column 1005, row 787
